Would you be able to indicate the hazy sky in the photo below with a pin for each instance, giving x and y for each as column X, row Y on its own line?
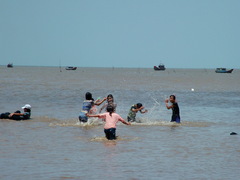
column 120, row 33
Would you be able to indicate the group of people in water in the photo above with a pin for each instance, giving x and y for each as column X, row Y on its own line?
column 109, row 116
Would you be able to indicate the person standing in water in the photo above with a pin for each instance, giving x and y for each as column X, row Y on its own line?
column 88, row 103
column 133, row 111
column 174, row 107
column 110, row 101
column 111, row 119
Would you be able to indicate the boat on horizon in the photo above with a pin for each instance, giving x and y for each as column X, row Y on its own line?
column 71, row 68
column 160, row 67
column 10, row 65
column 223, row 70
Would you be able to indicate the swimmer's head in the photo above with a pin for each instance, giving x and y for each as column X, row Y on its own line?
column 110, row 109
column 172, row 98
column 88, row 96
column 110, row 98
column 139, row 105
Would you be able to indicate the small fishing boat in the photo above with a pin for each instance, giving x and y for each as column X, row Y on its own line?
column 71, row 68
column 10, row 65
column 160, row 67
column 223, row 70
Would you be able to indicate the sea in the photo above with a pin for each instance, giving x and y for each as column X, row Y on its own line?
column 54, row 145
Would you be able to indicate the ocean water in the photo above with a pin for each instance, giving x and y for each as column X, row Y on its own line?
column 54, row 145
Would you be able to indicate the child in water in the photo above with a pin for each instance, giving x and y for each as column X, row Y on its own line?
column 111, row 119
column 110, row 101
column 88, row 103
column 174, row 107
column 133, row 111
column 18, row 115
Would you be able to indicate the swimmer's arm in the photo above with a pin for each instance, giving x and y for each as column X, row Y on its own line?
column 167, row 106
column 95, row 115
column 92, row 115
column 144, row 111
column 137, row 109
column 124, row 122
column 16, row 114
column 140, row 109
column 102, row 108
column 99, row 103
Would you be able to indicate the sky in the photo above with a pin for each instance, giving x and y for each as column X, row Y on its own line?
column 120, row 33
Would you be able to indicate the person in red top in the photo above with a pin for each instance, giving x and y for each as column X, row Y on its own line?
column 111, row 119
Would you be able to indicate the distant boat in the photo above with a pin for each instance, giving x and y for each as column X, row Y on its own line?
column 71, row 68
column 10, row 65
column 223, row 70
column 160, row 67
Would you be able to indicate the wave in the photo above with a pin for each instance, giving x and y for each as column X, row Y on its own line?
column 172, row 124
column 93, row 122
column 119, row 138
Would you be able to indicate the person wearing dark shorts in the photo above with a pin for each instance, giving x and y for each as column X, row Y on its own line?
column 111, row 118
column 175, row 109
column 110, row 133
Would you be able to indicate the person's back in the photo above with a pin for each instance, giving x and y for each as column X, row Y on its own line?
column 87, row 105
column 175, row 109
column 111, row 120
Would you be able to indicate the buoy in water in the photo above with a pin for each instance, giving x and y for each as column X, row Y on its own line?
column 192, row 89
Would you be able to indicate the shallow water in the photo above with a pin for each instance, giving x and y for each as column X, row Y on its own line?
column 54, row 145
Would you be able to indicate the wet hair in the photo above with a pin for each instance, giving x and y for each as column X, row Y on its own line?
column 173, row 96
column 111, row 96
column 139, row 105
column 110, row 109
column 88, row 96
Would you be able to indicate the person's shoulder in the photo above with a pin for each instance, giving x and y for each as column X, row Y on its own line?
column 175, row 104
column 88, row 102
column 104, row 114
column 116, row 115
